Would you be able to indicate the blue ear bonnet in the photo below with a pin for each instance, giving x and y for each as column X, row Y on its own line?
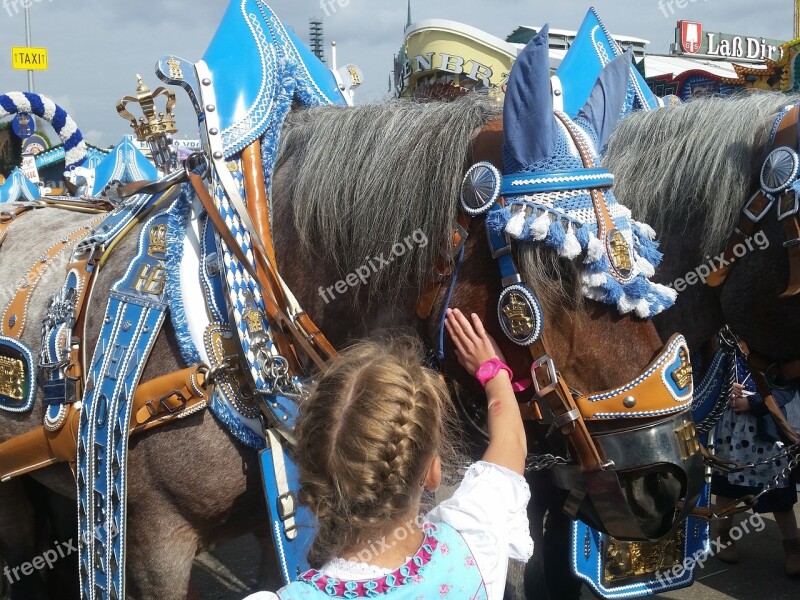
column 553, row 196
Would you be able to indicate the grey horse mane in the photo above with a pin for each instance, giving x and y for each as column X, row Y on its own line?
column 699, row 160
column 365, row 178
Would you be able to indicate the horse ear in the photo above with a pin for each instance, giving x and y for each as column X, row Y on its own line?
column 528, row 123
column 604, row 107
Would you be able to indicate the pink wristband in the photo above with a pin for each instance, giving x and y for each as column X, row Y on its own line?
column 489, row 370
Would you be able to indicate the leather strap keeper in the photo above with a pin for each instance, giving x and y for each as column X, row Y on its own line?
column 563, row 406
column 172, row 396
column 791, row 228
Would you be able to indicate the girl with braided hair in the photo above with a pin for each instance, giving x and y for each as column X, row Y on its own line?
column 370, row 439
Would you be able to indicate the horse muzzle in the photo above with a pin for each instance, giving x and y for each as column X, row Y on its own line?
column 654, row 471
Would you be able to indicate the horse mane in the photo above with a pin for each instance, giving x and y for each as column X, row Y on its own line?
column 366, row 178
column 700, row 160
column 362, row 179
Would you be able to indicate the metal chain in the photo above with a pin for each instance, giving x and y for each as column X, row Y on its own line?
column 794, row 450
column 728, row 340
column 540, row 462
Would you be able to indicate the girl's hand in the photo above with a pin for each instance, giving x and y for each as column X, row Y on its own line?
column 473, row 345
column 738, row 400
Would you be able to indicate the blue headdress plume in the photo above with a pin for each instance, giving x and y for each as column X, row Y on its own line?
column 549, row 190
column 529, row 107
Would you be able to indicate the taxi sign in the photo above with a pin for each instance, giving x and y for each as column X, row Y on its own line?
column 29, row 59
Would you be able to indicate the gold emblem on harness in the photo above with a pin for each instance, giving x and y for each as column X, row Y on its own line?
column 688, row 444
column 151, row 279
column 628, row 560
column 158, row 240
column 174, row 65
column 619, row 253
column 254, row 321
column 518, row 313
column 12, row 377
column 354, row 74
column 682, row 376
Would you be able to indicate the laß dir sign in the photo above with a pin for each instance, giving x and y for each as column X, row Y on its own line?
column 24, row 58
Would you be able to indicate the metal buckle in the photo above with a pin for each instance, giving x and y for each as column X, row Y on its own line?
column 197, row 164
column 791, row 211
column 162, row 402
column 286, row 505
column 499, row 251
column 567, row 418
column 453, row 252
column 752, row 216
column 551, row 372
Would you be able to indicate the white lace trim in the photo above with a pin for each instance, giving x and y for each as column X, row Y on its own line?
column 341, row 568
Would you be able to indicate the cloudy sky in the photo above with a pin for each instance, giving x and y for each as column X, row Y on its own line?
column 96, row 47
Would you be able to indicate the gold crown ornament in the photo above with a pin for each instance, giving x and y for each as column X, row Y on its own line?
column 154, row 127
column 158, row 240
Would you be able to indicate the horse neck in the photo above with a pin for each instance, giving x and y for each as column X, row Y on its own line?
column 751, row 298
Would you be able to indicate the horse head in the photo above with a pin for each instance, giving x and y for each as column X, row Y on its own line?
column 735, row 170
column 575, row 301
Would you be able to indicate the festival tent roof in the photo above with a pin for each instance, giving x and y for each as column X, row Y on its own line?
column 125, row 164
column 18, row 187
column 94, row 156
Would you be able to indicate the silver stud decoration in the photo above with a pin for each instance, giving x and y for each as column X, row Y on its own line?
column 629, row 402
column 480, row 188
column 779, row 171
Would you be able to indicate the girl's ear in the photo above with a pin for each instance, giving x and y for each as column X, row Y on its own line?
column 433, row 477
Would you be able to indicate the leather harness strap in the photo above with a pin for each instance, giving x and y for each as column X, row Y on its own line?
column 8, row 216
column 752, row 216
column 258, row 208
column 15, row 315
column 171, row 396
column 484, row 148
column 86, row 206
column 791, row 229
column 302, row 329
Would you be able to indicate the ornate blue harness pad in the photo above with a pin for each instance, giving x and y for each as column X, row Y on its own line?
column 134, row 316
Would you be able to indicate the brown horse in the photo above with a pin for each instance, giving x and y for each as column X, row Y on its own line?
column 384, row 177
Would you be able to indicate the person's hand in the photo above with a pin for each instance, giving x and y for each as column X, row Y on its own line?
column 473, row 345
column 738, row 400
